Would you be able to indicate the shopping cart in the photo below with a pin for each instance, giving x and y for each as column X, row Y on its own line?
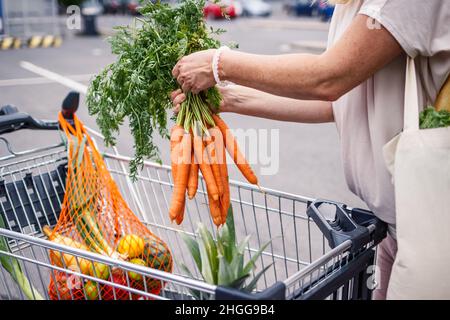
column 319, row 249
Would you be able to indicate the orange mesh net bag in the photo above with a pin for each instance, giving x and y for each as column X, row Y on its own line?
column 95, row 217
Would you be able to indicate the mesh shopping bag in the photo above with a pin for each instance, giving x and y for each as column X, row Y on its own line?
column 95, row 217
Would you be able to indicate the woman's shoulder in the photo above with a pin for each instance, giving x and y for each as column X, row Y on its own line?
column 421, row 27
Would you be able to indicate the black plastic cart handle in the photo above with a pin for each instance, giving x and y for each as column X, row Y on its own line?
column 346, row 224
column 12, row 120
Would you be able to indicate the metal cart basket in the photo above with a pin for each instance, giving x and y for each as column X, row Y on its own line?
column 319, row 249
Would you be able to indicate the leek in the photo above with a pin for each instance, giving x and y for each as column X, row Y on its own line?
column 12, row 265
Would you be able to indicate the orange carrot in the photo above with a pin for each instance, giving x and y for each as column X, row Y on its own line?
column 176, row 134
column 212, row 155
column 225, row 199
column 223, row 168
column 179, row 219
column 233, row 150
column 193, row 179
column 205, row 168
column 183, row 162
column 216, row 212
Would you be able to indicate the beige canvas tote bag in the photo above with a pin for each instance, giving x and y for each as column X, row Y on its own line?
column 419, row 161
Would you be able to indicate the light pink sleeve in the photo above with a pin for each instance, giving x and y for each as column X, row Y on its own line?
column 422, row 27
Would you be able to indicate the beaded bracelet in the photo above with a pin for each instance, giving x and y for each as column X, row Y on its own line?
column 215, row 66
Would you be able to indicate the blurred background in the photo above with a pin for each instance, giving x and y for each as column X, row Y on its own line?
column 49, row 47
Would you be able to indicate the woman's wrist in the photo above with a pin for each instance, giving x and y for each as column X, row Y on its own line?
column 228, row 100
column 224, row 62
column 234, row 98
column 216, row 65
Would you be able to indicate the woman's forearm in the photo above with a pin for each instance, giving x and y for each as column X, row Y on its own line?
column 358, row 54
column 251, row 102
column 296, row 76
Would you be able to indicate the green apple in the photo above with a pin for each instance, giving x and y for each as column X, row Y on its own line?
column 91, row 290
column 100, row 271
column 134, row 275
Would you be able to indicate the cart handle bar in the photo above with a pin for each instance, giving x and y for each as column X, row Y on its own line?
column 12, row 120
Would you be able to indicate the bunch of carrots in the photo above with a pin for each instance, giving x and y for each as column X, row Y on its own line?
column 203, row 149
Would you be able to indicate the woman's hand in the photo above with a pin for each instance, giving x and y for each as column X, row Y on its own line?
column 230, row 98
column 177, row 97
column 194, row 72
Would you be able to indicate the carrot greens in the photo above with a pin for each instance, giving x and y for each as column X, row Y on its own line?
column 137, row 85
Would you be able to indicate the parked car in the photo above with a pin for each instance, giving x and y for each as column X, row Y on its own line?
column 132, row 7
column 111, row 6
column 238, row 8
column 301, row 7
column 121, row 6
column 256, row 8
column 216, row 11
column 325, row 10
column 91, row 8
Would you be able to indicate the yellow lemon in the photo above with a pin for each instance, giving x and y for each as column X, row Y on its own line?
column 85, row 266
column 131, row 245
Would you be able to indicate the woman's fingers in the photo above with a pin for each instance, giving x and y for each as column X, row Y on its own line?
column 176, row 109
column 179, row 99
column 174, row 94
column 176, row 69
column 186, row 87
column 194, row 72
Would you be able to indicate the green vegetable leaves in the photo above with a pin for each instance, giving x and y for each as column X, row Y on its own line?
column 221, row 261
column 137, row 86
column 430, row 118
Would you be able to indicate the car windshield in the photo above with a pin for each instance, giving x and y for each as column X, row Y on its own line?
column 91, row 3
